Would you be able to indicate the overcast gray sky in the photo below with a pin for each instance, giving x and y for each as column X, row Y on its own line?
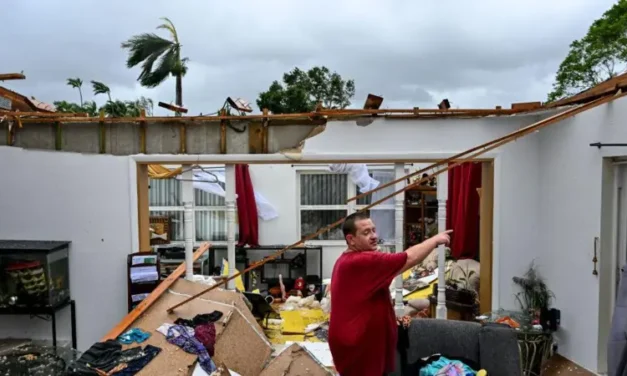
column 479, row 53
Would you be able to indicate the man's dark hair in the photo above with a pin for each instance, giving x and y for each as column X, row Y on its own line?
column 349, row 224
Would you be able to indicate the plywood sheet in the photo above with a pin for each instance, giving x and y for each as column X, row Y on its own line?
column 219, row 295
column 239, row 346
column 172, row 360
column 295, row 361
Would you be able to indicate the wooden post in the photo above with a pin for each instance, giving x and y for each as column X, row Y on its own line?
column 187, row 188
column 441, row 311
column 230, row 220
column 142, row 131
column 399, row 172
column 143, row 211
column 102, row 133
column 264, row 132
column 222, row 132
column 58, row 136
column 486, row 215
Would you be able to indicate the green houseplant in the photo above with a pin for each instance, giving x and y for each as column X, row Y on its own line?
column 534, row 294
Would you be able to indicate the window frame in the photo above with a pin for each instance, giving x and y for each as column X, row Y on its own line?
column 350, row 207
column 195, row 209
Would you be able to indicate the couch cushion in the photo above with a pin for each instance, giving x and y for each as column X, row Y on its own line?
column 499, row 354
column 456, row 339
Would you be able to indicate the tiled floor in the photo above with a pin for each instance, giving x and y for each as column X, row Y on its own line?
column 558, row 365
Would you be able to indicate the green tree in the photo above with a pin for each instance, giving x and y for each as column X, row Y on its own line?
column 100, row 88
column 301, row 91
column 88, row 107
column 76, row 83
column 147, row 48
column 601, row 54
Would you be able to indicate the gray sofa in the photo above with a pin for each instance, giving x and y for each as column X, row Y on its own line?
column 492, row 347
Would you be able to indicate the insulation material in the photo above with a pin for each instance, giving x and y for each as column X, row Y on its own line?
column 295, row 361
column 239, row 345
column 292, row 152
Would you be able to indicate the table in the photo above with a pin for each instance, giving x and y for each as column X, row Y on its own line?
column 49, row 312
column 534, row 344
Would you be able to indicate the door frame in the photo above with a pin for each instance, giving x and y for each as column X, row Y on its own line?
column 613, row 237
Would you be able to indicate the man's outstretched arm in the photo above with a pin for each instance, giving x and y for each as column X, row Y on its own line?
column 419, row 252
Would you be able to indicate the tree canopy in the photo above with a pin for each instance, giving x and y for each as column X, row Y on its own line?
column 159, row 58
column 601, row 54
column 301, row 91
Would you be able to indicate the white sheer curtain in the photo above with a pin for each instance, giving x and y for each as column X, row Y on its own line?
column 383, row 214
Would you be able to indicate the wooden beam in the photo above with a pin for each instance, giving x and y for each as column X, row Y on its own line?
column 102, row 133
column 525, row 106
column 223, row 132
column 141, row 308
column 143, row 211
column 329, row 114
column 11, row 76
column 142, row 132
column 486, row 215
column 173, row 107
column 264, row 132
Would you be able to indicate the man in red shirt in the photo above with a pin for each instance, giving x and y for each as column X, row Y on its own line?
column 362, row 328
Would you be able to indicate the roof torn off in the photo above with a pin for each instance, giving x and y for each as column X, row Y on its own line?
column 295, row 360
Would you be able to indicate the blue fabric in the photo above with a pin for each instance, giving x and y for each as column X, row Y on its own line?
column 179, row 336
column 133, row 335
column 446, row 367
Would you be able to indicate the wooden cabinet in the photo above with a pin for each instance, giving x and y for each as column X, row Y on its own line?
column 420, row 214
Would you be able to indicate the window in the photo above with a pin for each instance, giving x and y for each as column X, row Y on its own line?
column 166, row 199
column 322, row 201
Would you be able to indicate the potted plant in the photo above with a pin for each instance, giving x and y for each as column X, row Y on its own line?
column 459, row 290
column 534, row 295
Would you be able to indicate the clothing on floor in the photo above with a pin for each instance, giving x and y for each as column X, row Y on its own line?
column 443, row 366
column 133, row 335
column 200, row 319
column 163, row 329
column 362, row 329
column 137, row 360
column 206, row 334
column 101, row 355
column 107, row 358
column 179, row 336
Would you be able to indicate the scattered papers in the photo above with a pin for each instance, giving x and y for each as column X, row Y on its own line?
column 144, row 274
column 319, row 350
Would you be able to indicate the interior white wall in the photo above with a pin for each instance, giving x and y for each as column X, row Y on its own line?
column 81, row 198
column 572, row 176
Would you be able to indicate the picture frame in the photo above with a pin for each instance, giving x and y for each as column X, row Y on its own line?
column 160, row 230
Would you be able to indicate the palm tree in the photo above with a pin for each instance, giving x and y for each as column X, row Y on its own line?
column 100, row 88
column 147, row 48
column 76, row 83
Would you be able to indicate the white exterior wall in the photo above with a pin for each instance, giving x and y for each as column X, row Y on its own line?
column 84, row 199
column 572, row 175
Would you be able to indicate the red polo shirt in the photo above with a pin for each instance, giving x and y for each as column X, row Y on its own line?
column 362, row 328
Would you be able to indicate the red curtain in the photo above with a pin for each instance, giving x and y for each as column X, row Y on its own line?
column 462, row 209
column 246, row 208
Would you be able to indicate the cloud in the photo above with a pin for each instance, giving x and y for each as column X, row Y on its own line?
column 478, row 54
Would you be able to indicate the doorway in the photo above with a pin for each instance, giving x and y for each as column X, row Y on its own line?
column 614, row 245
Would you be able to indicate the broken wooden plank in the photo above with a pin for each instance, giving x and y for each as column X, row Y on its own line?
column 12, row 76
column 152, row 298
